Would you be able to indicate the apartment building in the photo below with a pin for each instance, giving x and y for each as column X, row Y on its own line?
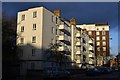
column 82, row 47
column 100, row 33
column 37, row 28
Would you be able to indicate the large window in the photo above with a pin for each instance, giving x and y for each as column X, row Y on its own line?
column 22, row 40
column 23, row 17
column 104, row 43
column 98, row 48
column 90, row 32
column 34, row 39
column 103, row 38
column 35, row 14
column 34, row 26
column 98, row 38
column 98, row 43
column 97, row 33
column 33, row 52
column 22, row 28
column 103, row 33
column 104, row 48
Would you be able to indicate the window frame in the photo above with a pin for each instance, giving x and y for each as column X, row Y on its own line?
column 33, row 39
column 33, row 52
column 34, row 26
column 23, row 17
column 22, row 28
column 34, row 14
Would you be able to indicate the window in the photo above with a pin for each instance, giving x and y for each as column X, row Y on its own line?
column 104, row 43
column 103, row 32
column 97, row 33
column 34, row 26
column 103, row 38
column 33, row 52
column 52, row 41
column 53, row 30
column 35, row 14
column 98, row 48
column 56, row 20
column 34, row 39
column 103, row 28
column 23, row 17
column 98, row 38
column 90, row 32
column 97, row 29
column 98, row 43
column 22, row 40
column 104, row 48
column 22, row 28
column 32, row 65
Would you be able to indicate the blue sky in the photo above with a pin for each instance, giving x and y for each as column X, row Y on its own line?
column 83, row 12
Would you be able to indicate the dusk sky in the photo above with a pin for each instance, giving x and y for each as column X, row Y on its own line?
column 83, row 12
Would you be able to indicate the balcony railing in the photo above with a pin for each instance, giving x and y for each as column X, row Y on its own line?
column 77, row 43
column 91, row 55
column 78, row 52
column 61, row 37
column 61, row 27
column 61, row 48
column 91, row 48
column 78, row 35
column 91, row 62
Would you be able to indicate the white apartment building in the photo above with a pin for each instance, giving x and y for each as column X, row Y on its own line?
column 37, row 28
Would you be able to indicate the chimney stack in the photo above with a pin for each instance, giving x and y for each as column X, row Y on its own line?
column 57, row 12
column 73, row 21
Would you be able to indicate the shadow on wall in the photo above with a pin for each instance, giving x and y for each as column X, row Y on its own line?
column 32, row 61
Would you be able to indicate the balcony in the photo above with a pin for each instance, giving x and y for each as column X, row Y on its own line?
column 90, row 48
column 61, row 48
column 61, row 37
column 78, row 35
column 91, row 55
column 90, row 41
column 78, row 52
column 61, row 27
column 77, row 43
column 78, row 61
column 91, row 62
